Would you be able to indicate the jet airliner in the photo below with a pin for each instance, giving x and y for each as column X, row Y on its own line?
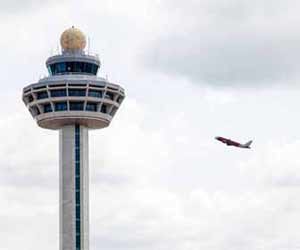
column 229, row 142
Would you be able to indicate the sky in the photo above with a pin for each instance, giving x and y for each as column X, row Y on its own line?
column 192, row 70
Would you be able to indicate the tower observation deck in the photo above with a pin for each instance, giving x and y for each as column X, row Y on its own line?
column 73, row 99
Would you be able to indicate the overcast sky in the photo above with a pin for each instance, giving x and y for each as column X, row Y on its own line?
column 192, row 70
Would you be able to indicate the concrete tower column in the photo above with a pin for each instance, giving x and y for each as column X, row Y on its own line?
column 74, row 188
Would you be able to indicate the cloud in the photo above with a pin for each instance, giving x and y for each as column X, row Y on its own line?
column 29, row 214
column 14, row 6
column 228, row 42
column 21, row 149
column 155, row 218
column 276, row 164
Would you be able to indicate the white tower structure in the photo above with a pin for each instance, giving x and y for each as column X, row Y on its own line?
column 72, row 99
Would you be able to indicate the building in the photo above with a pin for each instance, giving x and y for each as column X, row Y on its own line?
column 72, row 99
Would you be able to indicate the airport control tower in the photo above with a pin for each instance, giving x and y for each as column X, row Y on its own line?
column 72, row 99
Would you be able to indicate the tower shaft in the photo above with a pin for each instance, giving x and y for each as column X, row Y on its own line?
column 74, row 188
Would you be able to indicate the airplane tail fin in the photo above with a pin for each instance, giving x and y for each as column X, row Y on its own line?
column 247, row 144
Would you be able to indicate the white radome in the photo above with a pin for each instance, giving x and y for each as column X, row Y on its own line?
column 73, row 39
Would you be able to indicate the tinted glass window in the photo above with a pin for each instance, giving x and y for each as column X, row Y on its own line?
column 73, row 67
column 30, row 98
column 40, row 87
column 88, row 68
column 91, row 106
column 77, row 196
column 77, row 170
column 77, row 211
column 77, row 158
column 42, row 95
column 119, row 99
column 77, row 67
column 114, row 110
column 59, row 85
column 77, row 227
column 61, row 67
column 77, row 180
column 61, row 106
column 95, row 93
column 76, row 105
column 94, row 69
column 58, row 68
column 76, row 92
column 58, row 92
column 109, row 95
column 78, row 244
column 47, row 108
column 103, row 108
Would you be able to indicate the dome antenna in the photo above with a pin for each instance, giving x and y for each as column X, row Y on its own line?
column 73, row 41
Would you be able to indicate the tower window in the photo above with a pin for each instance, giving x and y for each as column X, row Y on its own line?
column 61, row 106
column 78, row 244
column 77, row 211
column 119, row 99
column 113, row 111
column 77, row 171
column 94, row 69
column 90, row 106
column 77, row 186
column 58, row 68
column 77, row 195
column 42, row 95
column 58, row 92
column 29, row 98
column 78, row 227
column 40, row 87
column 34, row 111
column 73, row 67
column 109, row 95
column 47, row 108
column 77, row 92
column 77, row 180
column 104, row 108
column 57, row 85
column 76, row 105
column 95, row 93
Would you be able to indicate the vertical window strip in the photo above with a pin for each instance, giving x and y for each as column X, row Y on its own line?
column 77, row 187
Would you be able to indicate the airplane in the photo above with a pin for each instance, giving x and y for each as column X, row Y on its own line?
column 229, row 142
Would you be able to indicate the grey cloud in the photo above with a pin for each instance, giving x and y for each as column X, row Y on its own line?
column 286, row 181
column 20, row 161
column 275, row 165
column 176, row 223
column 13, row 6
column 239, row 44
column 111, row 179
column 12, row 177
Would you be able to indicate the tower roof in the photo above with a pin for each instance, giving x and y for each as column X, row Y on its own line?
column 72, row 39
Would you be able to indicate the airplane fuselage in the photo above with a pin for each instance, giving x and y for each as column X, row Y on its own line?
column 229, row 142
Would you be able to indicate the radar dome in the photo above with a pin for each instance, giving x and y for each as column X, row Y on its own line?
column 73, row 39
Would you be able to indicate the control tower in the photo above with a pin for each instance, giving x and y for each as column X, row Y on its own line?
column 72, row 99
